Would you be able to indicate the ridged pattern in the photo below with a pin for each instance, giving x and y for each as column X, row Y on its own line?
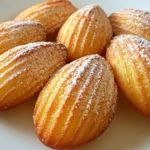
column 51, row 14
column 77, row 104
column 87, row 31
column 129, row 57
column 24, row 70
column 15, row 33
column 131, row 21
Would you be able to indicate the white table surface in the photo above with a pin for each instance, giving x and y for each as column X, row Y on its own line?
column 128, row 131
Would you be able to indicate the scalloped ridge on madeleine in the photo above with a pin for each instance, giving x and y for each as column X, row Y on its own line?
column 87, row 31
column 24, row 70
column 77, row 104
column 51, row 14
column 129, row 57
column 15, row 33
column 131, row 21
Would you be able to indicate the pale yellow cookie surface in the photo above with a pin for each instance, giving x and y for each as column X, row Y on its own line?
column 15, row 33
column 131, row 21
column 129, row 57
column 24, row 70
column 77, row 104
column 87, row 31
column 51, row 14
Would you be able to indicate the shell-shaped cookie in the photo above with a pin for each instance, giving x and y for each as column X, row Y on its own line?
column 15, row 33
column 129, row 57
column 131, row 21
column 87, row 31
column 24, row 70
column 51, row 14
column 77, row 104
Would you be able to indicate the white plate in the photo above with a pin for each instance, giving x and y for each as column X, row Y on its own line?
column 128, row 131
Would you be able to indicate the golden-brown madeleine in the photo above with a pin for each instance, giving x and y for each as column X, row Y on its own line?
column 129, row 57
column 51, row 14
column 87, row 31
column 15, row 33
column 77, row 104
column 131, row 21
column 24, row 70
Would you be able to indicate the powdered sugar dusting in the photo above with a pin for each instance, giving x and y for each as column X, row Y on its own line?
column 44, row 107
column 75, row 77
column 131, row 21
column 81, row 92
column 80, row 72
column 89, row 32
column 135, row 53
column 12, row 24
column 145, row 50
column 139, row 15
column 51, row 14
column 133, row 57
column 14, row 33
column 29, row 68
column 141, row 46
column 76, row 74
